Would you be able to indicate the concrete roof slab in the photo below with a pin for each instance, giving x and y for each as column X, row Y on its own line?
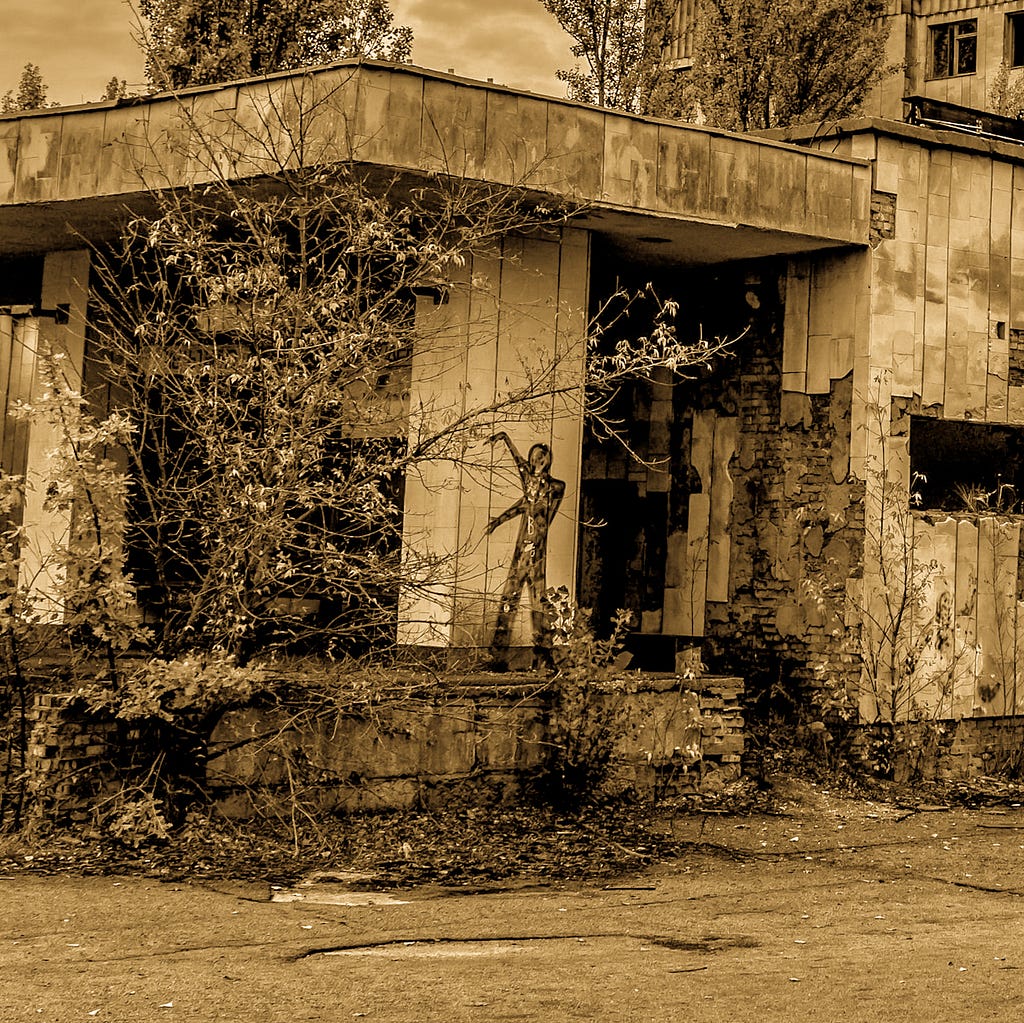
column 667, row 175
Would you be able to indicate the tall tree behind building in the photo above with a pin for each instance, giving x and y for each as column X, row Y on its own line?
column 770, row 63
column 625, row 47
column 31, row 94
column 196, row 42
column 117, row 88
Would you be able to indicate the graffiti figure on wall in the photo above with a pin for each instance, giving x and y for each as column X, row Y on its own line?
column 542, row 494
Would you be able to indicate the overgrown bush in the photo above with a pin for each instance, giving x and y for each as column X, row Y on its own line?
column 589, row 714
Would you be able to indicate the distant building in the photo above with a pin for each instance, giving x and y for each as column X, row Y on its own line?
column 948, row 50
column 682, row 42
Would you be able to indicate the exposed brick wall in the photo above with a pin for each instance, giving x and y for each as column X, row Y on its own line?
column 1016, row 369
column 67, row 756
column 796, row 529
column 883, row 217
column 948, row 750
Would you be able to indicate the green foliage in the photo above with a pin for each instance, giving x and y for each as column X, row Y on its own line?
column 261, row 345
column 79, row 580
column 976, row 499
column 770, row 63
column 198, row 42
column 172, row 690
column 75, row 580
column 1006, row 95
column 133, row 818
column 116, row 88
column 90, row 594
column 625, row 47
column 905, row 752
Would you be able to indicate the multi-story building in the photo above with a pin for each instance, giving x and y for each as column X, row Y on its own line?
column 950, row 50
column 946, row 50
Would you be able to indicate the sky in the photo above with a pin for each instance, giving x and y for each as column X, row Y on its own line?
column 80, row 44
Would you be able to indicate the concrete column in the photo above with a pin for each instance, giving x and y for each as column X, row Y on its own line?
column 65, row 284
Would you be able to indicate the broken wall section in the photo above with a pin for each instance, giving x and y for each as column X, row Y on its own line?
column 797, row 516
column 739, row 530
column 467, row 739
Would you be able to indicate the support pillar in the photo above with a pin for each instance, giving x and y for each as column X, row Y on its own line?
column 502, row 353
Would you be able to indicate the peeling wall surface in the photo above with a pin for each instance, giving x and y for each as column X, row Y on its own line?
column 795, row 465
column 947, row 294
column 936, row 342
column 872, row 281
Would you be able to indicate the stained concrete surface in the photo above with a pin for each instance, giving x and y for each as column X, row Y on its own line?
column 832, row 910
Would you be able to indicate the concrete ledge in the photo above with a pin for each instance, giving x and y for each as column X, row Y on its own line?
column 461, row 741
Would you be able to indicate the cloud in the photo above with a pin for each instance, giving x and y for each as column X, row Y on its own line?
column 80, row 44
column 515, row 42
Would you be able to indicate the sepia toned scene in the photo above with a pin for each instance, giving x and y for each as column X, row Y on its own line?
column 512, row 511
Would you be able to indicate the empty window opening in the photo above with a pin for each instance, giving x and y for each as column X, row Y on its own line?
column 966, row 467
column 1015, row 40
column 954, row 49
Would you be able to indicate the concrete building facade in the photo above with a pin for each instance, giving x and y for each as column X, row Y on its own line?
column 946, row 50
column 950, row 50
column 870, row 279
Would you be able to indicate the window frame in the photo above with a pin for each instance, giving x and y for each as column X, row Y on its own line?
column 956, row 34
column 1014, row 46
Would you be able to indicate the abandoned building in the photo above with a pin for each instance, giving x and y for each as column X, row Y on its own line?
column 837, row 498
column 946, row 50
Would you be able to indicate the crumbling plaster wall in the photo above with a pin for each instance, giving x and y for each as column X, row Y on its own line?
column 797, row 516
column 948, row 302
column 946, row 287
column 796, row 531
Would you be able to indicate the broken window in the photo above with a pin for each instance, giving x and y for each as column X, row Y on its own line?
column 966, row 467
column 954, row 49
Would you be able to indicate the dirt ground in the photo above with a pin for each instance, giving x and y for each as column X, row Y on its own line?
column 832, row 909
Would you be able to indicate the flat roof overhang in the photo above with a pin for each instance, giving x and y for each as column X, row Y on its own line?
column 655, row 190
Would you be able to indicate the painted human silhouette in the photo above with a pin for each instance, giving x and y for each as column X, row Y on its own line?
column 542, row 494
